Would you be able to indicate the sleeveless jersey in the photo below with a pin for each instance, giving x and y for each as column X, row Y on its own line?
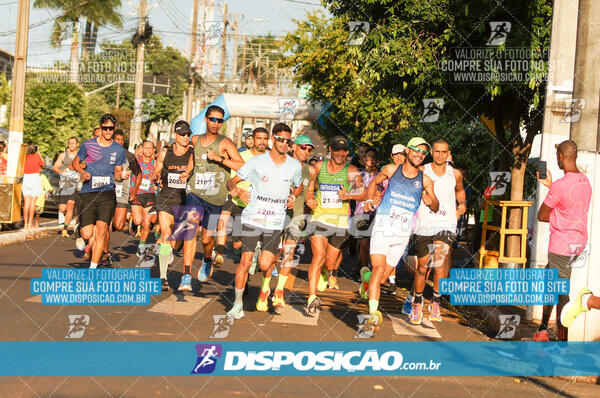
column 399, row 203
column 68, row 179
column 173, row 166
column 330, row 209
column 209, row 181
column 430, row 223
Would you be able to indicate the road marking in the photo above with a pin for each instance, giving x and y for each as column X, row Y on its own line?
column 35, row 299
column 402, row 325
column 178, row 304
column 295, row 314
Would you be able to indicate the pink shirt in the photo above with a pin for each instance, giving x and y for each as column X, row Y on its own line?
column 569, row 197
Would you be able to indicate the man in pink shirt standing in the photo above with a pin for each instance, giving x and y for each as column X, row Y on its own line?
column 566, row 209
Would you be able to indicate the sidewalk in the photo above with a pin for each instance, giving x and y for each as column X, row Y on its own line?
column 22, row 235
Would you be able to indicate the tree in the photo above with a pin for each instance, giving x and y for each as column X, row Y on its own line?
column 56, row 111
column 95, row 12
column 376, row 89
column 117, row 62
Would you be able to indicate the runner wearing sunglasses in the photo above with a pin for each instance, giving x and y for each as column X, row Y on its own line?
column 214, row 157
column 301, row 151
column 333, row 180
column 234, row 205
column 392, row 226
column 104, row 159
column 272, row 175
column 173, row 167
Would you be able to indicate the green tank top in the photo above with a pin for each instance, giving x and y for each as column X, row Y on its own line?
column 209, row 181
column 330, row 209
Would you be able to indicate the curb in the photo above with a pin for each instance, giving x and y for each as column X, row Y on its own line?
column 28, row 234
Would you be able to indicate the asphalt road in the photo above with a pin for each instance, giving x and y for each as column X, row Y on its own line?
column 189, row 317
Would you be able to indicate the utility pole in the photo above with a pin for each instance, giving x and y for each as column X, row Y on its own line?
column 244, row 71
column 118, row 95
column 135, row 135
column 258, row 72
column 192, row 88
column 235, row 45
column 223, row 51
column 15, row 138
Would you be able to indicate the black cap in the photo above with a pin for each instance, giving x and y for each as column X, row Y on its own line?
column 339, row 142
column 182, row 127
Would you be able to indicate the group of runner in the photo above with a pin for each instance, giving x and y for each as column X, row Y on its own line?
column 274, row 199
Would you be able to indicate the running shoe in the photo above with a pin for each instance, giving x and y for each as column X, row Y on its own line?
column 416, row 314
column 87, row 251
column 278, row 299
column 65, row 233
column 574, row 308
column 186, row 283
column 262, row 304
column 434, row 312
column 332, row 282
column 407, row 306
column 364, row 285
column 541, row 335
column 237, row 311
column 373, row 322
column 391, row 289
column 106, row 260
column 164, row 284
column 322, row 284
column 313, row 306
column 205, row 271
column 80, row 244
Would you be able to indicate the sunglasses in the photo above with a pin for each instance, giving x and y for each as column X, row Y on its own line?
column 107, row 128
column 187, row 134
column 306, row 148
column 423, row 152
column 283, row 139
column 216, row 119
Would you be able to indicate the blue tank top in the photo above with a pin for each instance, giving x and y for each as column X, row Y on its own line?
column 402, row 194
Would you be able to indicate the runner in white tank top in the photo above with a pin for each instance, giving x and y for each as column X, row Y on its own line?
column 436, row 231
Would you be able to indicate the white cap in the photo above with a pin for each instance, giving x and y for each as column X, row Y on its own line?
column 398, row 148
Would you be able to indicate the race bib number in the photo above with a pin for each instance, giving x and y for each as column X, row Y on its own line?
column 205, row 181
column 98, row 182
column 269, row 216
column 399, row 216
column 330, row 200
column 119, row 190
column 174, row 182
column 145, row 185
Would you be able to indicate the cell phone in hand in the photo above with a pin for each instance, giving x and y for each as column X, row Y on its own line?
column 542, row 169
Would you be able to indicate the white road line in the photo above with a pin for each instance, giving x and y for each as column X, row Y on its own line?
column 402, row 325
column 180, row 305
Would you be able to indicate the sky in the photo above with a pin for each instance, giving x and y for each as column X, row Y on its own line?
column 171, row 20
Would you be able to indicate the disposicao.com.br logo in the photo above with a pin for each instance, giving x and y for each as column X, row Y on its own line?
column 311, row 361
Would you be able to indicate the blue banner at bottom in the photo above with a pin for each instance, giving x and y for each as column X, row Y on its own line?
column 296, row 358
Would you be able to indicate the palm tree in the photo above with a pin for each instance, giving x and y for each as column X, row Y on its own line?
column 96, row 12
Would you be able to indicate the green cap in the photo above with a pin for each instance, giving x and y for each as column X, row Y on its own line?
column 303, row 140
column 416, row 141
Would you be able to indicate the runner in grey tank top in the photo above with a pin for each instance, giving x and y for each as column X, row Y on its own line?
column 67, row 185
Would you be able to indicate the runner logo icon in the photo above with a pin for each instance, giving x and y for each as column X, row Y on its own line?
column 77, row 325
column 207, row 358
